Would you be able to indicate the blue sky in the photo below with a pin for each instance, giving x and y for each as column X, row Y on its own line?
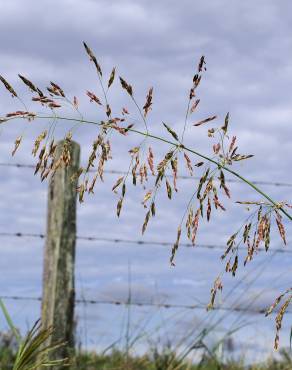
column 249, row 74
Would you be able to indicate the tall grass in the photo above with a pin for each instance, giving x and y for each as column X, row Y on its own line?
column 32, row 352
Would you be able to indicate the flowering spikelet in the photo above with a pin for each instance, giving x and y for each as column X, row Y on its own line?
column 8, row 86
column 57, row 89
column 81, row 191
column 205, row 121
column 189, row 222
column 147, row 196
column 175, row 246
column 223, row 184
column 280, row 227
column 148, row 103
column 174, row 164
column 126, row 86
column 230, row 245
column 38, row 141
column 172, row 133
column 226, row 121
column 189, row 164
column 147, row 217
column 168, row 189
column 194, row 106
column 235, row 265
column 150, row 159
column 93, row 58
column 119, row 206
column 92, row 185
column 16, row 144
column 28, row 83
column 75, row 102
column 93, row 97
column 216, row 148
column 92, row 156
column 195, row 225
column 217, row 286
column 25, row 114
column 279, row 319
column 65, row 156
column 196, row 81
column 77, row 174
column 118, row 183
column 201, row 182
column 209, row 209
column 202, row 64
column 162, row 166
column 112, row 77
column 216, row 200
column 153, row 209
column 232, row 144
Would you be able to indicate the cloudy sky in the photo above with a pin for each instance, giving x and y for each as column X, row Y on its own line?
column 249, row 74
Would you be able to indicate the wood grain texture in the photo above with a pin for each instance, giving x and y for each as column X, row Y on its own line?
column 59, row 254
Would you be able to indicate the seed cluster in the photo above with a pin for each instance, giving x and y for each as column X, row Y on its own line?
column 208, row 192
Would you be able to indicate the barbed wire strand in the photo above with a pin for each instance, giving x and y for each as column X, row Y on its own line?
column 136, row 242
column 183, row 177
column 147, row 304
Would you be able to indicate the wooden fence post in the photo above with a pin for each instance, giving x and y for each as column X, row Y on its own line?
column 59, row 255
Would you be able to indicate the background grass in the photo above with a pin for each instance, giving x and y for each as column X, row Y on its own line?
column 153, row 359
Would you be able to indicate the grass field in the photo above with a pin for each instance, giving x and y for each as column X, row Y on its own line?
column 165, row 359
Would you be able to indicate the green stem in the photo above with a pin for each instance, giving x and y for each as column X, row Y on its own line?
column 179, row 145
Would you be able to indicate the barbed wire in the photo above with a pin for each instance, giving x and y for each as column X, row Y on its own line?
column 136, row 242
column 148, row 304
column 183, row 177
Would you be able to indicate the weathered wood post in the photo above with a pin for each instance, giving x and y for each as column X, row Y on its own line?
column 59, row 255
